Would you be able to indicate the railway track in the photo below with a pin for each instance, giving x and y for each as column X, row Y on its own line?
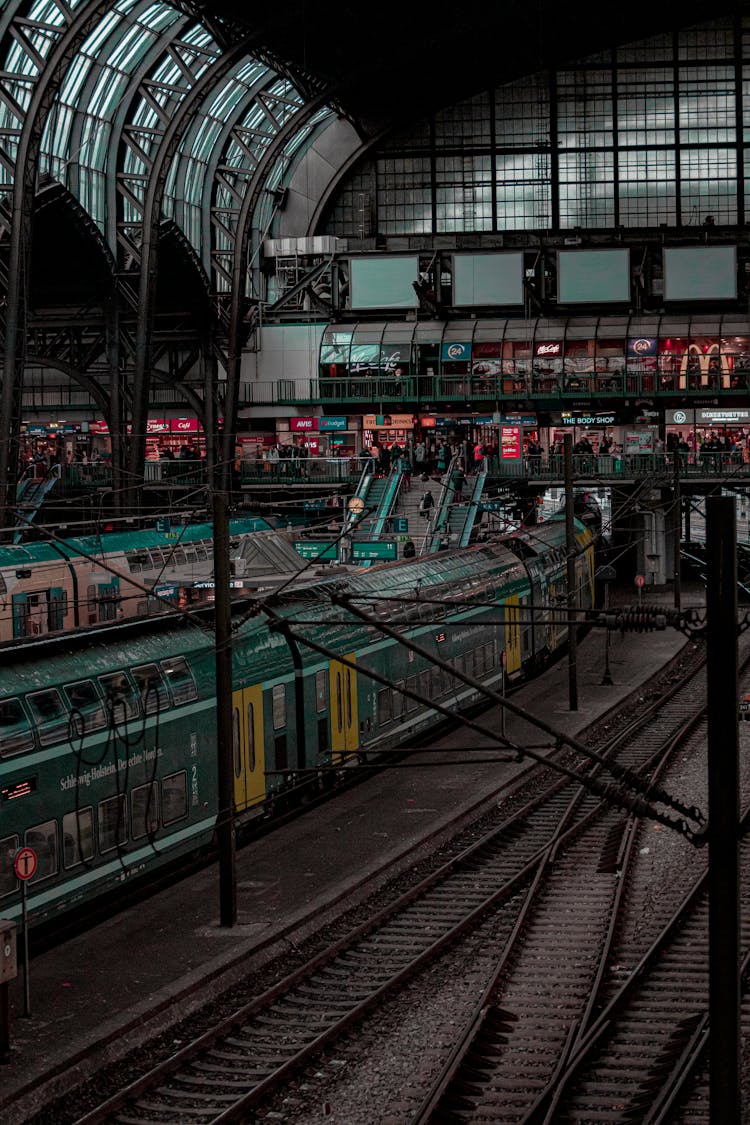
column 619, row 1041
column 242, row 1061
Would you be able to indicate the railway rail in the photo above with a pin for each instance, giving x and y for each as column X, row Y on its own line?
column 239, row 1063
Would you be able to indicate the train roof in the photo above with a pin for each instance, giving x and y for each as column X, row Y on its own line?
column 117, row 542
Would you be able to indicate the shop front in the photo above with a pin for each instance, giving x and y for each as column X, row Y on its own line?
column 387, row 430
column 589, row 428
column 329, row 436
column 709, row 429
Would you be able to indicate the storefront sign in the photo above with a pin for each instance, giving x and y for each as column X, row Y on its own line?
column 519, row 420
column 679, row 417
column 456, row 353
column 398, row 421
column 487, row 351
column 98, row 428
column 641, row 347
column 722, row 416
column 331, row 423
column 37, row 431
column 157, row 426
column 303, row 425
column 184, row 425
column 510, row 443
column 550, row 348
column 569, row 419
column 427, row 421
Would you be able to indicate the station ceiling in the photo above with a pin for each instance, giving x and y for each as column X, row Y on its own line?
column 392, row 61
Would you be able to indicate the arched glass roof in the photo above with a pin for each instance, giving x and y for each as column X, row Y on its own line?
column 122, row 90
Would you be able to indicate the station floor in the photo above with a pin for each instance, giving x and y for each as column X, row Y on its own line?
column 104, row 981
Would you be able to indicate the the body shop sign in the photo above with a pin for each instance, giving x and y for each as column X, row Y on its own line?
column 510, row 443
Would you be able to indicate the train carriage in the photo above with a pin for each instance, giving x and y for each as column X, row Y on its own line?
column 107, row 738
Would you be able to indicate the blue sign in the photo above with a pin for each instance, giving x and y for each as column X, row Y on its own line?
column 332, row 423
column 456, row 353
column 163, row 524
column 399, row 523
column 641, row 347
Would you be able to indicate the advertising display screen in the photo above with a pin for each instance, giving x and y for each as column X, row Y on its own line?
column 384, row 283
column 593, row 276
column 700, row 273
column 488, row 279
column 510, row 443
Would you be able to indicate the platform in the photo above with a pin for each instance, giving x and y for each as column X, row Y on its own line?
column 85, row 992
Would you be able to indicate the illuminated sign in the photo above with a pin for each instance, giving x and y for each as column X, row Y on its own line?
column 19, row 789
column 456, row 353
column 549, row 348
column 303, row 425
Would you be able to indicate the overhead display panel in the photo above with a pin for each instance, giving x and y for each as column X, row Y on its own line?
column 384, row 283
column 593, row 276
column 487, row 279
column 700, row 273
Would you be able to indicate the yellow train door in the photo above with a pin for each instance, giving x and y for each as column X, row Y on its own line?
column 344, row 717
column 512, row 636
column 248, row 746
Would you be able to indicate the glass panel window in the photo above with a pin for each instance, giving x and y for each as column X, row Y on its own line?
column 522, row 186
column 647, row 191
column 86, row 705
column 180, row 680
column 151, row 688
column 174, row 797
column 250, row 737
column 8, row 849
column 144, row 811
column 236, row 743
column 78, row 837
column 112, row 823
column 385, row 705
column 49, row 715
column 120, row 695
column 278, row 697
column 321, row 691
column 43, row 839
column 15, row 729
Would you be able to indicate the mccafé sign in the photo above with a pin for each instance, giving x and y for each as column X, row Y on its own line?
column 548, row 348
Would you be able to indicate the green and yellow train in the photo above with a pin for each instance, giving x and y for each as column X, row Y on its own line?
column 107, row 736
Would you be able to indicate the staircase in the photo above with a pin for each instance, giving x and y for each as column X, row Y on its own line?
column 408, row 506
column 30, row 497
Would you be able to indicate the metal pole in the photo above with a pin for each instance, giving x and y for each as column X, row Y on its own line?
column 607, row 677
column 25, row 928
column 677, row 533
column 723, row 811
column 570, row 542
column 224, row 733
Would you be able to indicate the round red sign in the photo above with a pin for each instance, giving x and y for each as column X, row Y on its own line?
column 640, row 580
column 25, row 864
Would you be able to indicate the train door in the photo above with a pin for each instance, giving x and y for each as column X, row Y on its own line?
column 512, row 636
column 248, row 744
column 344, row 717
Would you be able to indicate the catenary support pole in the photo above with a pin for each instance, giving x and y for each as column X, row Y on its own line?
column 570, row 542
column 677, row 533
column 223, row 650
column 723, row 811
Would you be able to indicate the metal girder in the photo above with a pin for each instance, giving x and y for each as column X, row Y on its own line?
column 64, row 41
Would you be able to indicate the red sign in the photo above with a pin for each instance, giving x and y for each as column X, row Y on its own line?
column 640, row 580
column 98, row 428
column 303, row 425
column 157, row 426
column 25, row 864
column 487, row 351
column 184, row 426
column 548, row 347
column 510, row 443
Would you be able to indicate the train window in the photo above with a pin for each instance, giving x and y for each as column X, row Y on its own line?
column 410, row 704
column 321, row 691
column 236, row 744
column 49, row 714
column 399, row 701
column 174, row 797
column 436, row 681
column 120, row 695
column 8, row 849
column 112, row 823
column 250, row 737
column 423, row 682
column 15, row 729
column 339, row 710
column 78, row 837
column 87, row 707
column 278, row 697
column 385, row 706
column 151, row 688
column 180, row 680
column 144, row 811
column 489, row 655
column 43, row 839
column 348, row 675
column 280, row 749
